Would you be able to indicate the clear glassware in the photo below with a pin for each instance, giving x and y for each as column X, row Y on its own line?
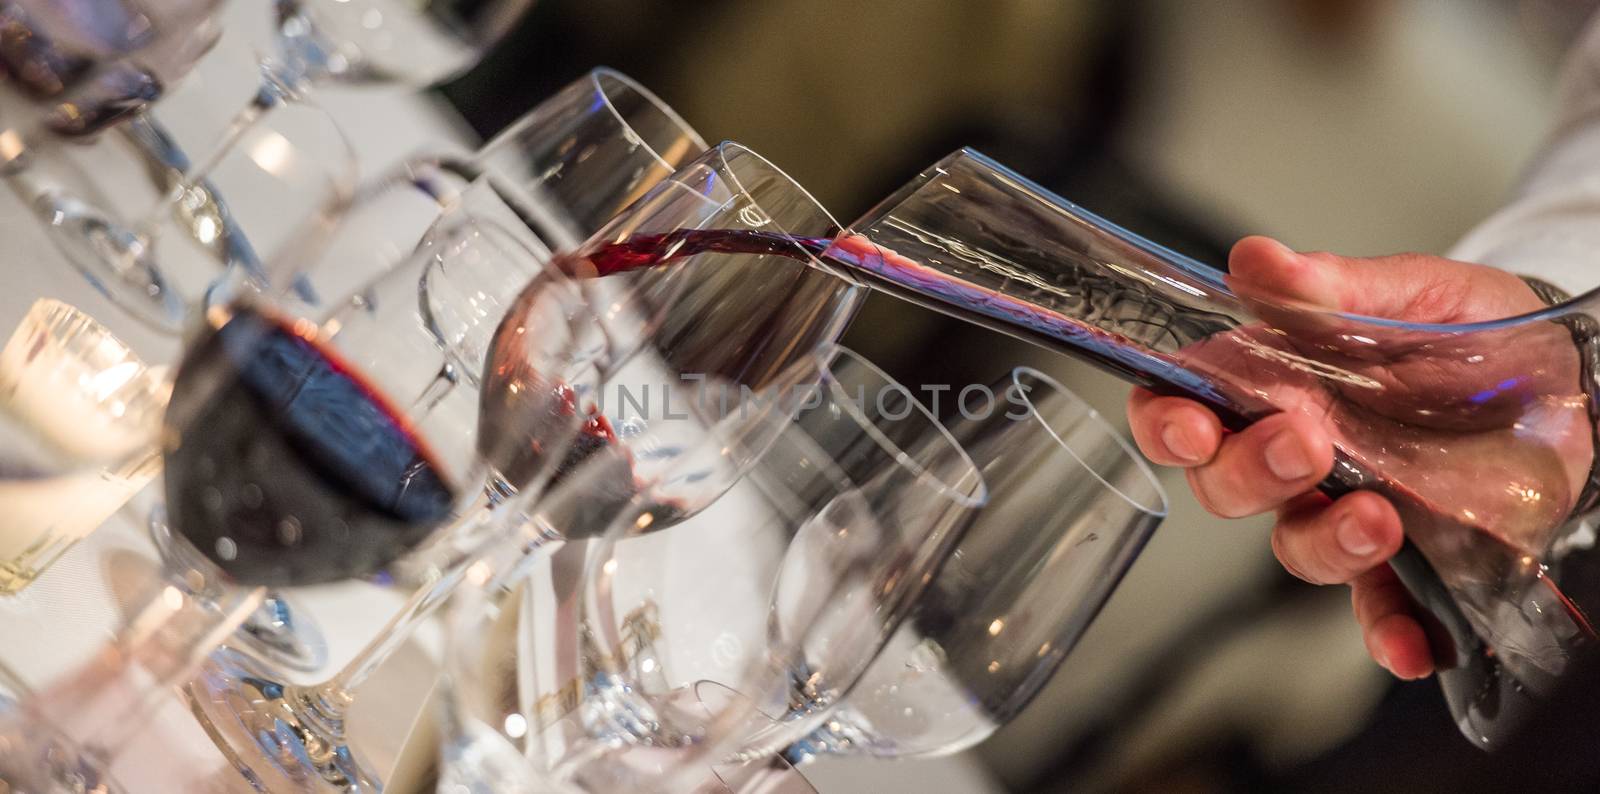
column 692, row 639
column 284, row 464
column 265, row 206
column 76, row 67
column 315, row 465
column 562, row 171
column 1070, row 506
column 651, row 329
column 387, row 41
column 590, row 150
column 767, row 776
column 363, row 42
column 319, row 41
column 1486, row 457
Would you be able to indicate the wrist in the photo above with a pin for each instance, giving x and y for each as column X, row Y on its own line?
column 1586, row 336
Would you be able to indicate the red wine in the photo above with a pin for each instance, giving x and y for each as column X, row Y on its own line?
column 289, row 468
column 1476, row 680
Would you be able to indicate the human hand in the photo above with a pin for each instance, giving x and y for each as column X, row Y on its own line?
column 1491, row 425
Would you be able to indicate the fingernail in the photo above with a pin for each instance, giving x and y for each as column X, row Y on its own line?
column 1353, row 539
column 1178, row 444
column 1286, row 458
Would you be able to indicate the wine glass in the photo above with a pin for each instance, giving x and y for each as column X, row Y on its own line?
column 1070, row 506
column 383, row 41
column 692, row 638
column 591, row 149
column 157, row 245
column 286, row 463
column 366, row 42
column 1486, row 456
column 562, row 170
column 641, row 339
column 75, row 68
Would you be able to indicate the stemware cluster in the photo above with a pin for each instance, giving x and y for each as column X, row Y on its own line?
column 581, row 389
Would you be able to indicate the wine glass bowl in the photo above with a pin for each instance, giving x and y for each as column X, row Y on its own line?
column 1071, row 504
column 385, row 41
column 830, row 532
column 84, row 67
column 377, row 489
column 591, row 149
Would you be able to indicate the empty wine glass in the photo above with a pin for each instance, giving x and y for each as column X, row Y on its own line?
column 563, row 171
column 273, row 196
column 591, row 149
column 692, row 635
column 384, row 41
column 1070, row 506
column 365, row 41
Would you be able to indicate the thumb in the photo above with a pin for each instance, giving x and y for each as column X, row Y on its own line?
column 1262, row 268
column 1412, row 287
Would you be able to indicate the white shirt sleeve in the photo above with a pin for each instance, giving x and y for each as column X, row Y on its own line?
column 1551, row 227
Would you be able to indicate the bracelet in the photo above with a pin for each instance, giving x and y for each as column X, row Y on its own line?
column 1586, row 335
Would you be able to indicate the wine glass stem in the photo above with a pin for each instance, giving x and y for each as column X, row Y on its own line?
column 272, row 92
column 443, row 383
column 840, row 734
column 395, row 633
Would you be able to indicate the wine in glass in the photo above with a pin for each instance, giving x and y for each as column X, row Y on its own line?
column 286, row 463
column 650, row 329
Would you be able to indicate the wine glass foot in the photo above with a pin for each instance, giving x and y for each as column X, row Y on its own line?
column 278, row 632
column 274, row 734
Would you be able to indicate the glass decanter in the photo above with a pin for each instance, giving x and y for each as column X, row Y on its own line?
column 1487, row 467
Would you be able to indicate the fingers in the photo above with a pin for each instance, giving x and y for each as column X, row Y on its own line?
column 1337, row 542
column 1257, row 470
column 1386, row 614
column 1172, row 431
column 1263, row 467
column 1348, row 540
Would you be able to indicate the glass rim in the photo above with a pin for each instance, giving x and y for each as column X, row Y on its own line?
column 1552, row 313
column 976, row 499
column 1105, row 429
column 726, row 151
column 599, row 74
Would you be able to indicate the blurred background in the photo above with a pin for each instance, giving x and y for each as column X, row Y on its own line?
column 1358, row 126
